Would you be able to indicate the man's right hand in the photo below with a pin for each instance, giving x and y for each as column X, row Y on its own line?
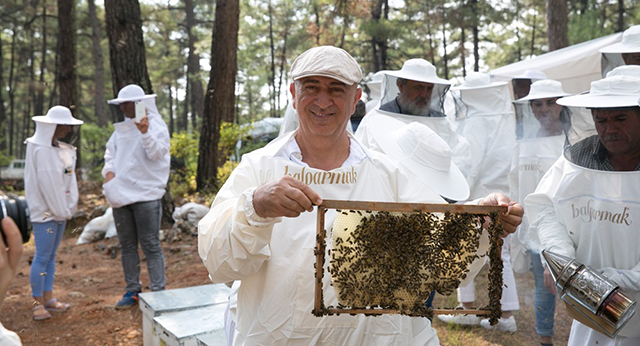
column 286, row 196
column 109, row 176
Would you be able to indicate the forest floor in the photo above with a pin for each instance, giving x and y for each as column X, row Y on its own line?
column 90, row 278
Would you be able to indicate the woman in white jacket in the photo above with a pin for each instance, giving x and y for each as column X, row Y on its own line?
column 52, row 193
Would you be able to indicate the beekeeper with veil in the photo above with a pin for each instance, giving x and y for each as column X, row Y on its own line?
column 587, row 206
column 484, row 117
column 540, row 143
column 416, row 93
column 261, row 228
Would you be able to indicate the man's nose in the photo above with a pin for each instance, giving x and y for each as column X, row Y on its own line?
column 323, row 100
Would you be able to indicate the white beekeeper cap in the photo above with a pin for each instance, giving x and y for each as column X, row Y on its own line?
column 327, row 61
column 59, row 115
column 477, row 80
column 130, row 93
column 544, row 89
column 630, row 42
column 531, row 74
column 611, row 92
column 418, row 70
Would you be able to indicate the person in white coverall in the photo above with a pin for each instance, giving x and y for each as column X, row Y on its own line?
column 10, row 253
column 587, row 206
column 51, row 190
column 261, row 227
column 542, row 141
column 416, row 93
column 623, row 53
column 484, row 117
column 136, row 170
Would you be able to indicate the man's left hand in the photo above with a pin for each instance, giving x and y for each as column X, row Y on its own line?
column 512, row 218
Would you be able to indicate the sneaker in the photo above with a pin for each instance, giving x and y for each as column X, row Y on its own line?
column 465, row 320
column 128, row 300
column 504, row 324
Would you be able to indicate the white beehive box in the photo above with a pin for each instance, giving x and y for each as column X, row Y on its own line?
column 156, row 304
column 182, row 328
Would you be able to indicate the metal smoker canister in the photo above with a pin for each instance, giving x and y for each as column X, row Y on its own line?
column 593, row 296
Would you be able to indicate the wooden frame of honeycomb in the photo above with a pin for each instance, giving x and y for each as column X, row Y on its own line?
column 423, row 210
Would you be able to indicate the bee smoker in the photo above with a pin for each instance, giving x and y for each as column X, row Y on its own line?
column 590, row 298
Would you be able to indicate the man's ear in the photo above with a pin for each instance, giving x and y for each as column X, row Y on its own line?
column 292, row 90
column 399, row 84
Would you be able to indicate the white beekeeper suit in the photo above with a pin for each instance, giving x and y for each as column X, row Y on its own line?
column 274, row 257
column 419, row 70
column 484, row 117
column 140, row 161
column 50, row 178
column 612, row 54
column 374, row 86
column 591, row 214
column 535, row 152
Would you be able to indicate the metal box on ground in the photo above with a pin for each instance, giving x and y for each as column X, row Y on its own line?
column 157, row 304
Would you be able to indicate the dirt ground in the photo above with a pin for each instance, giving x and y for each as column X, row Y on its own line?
column 90, row 277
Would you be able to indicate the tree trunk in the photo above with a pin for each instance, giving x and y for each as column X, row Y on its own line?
column 476, row 36
column 620, row 16
column 445, row 57
column 67, row 69
column 196, row 92
column 39, row 102
column 220, row 98
column 3, row 114
column 11, row 89
column 98, row 62
column 67, row 53
column 557, row 24
column 126, row 45
column 462, row 52
column 272, row 75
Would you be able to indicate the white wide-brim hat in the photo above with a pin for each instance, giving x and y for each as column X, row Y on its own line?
column 418, row 70
column 59, row 115
column 130, row 93
column 531, row 74
column 477, row 80
column 543, row 89
column 630, row 42
column 422, row 151
column 625, row 70
column 611, row 92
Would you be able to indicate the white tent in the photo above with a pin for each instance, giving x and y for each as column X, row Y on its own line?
column 574, row 66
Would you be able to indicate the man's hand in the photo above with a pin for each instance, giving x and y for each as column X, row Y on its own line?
column 512, row 218
column 143, row 125
column 9, row 254
column 286, row 196
column 110, row 175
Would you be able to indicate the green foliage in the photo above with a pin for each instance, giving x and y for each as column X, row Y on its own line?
column 184, row 163
column 93, row 140
column 5, row 159
column 225, row 171
column 230, row 134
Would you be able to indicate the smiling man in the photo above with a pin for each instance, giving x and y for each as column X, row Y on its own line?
column 261, row 229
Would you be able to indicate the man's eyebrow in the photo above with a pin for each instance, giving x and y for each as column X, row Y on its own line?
column 310, row 80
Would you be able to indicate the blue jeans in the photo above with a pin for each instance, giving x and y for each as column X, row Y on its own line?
column 545, row 302
column 140, row 223
column 47, row 237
